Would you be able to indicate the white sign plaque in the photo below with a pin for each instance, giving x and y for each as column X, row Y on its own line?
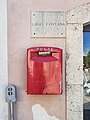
column 48, row 24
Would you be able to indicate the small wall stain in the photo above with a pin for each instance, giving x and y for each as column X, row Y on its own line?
column 39, row 113
column 67, row 56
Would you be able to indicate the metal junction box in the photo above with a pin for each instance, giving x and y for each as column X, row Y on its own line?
column 11, row 93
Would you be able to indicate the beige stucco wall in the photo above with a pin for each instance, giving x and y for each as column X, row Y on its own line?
column 3, row 60
column 19, row 40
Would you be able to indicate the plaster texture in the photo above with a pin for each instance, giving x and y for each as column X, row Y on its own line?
column 19, row 40
column 3, row 60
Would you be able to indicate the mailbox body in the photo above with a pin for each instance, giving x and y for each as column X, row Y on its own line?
column 44, row 70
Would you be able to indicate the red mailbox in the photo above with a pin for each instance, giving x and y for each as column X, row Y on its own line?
column 44, row 70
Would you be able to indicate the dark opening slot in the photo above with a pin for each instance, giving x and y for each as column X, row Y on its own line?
column 44, row 53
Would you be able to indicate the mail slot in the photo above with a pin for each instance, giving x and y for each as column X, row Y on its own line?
column 44, row 70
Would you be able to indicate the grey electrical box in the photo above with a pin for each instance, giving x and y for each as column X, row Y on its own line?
column 10, row 93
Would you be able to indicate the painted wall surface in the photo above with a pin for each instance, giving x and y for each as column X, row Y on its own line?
column 48, row 5
column 3, row 59
column 74, row 3
column 19, row 40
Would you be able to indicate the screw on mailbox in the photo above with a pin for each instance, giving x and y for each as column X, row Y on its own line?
column 11, row 98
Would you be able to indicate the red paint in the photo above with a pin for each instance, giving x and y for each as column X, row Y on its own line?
column 44, row 72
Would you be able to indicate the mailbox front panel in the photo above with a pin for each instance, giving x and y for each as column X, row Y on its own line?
column 44, row 70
